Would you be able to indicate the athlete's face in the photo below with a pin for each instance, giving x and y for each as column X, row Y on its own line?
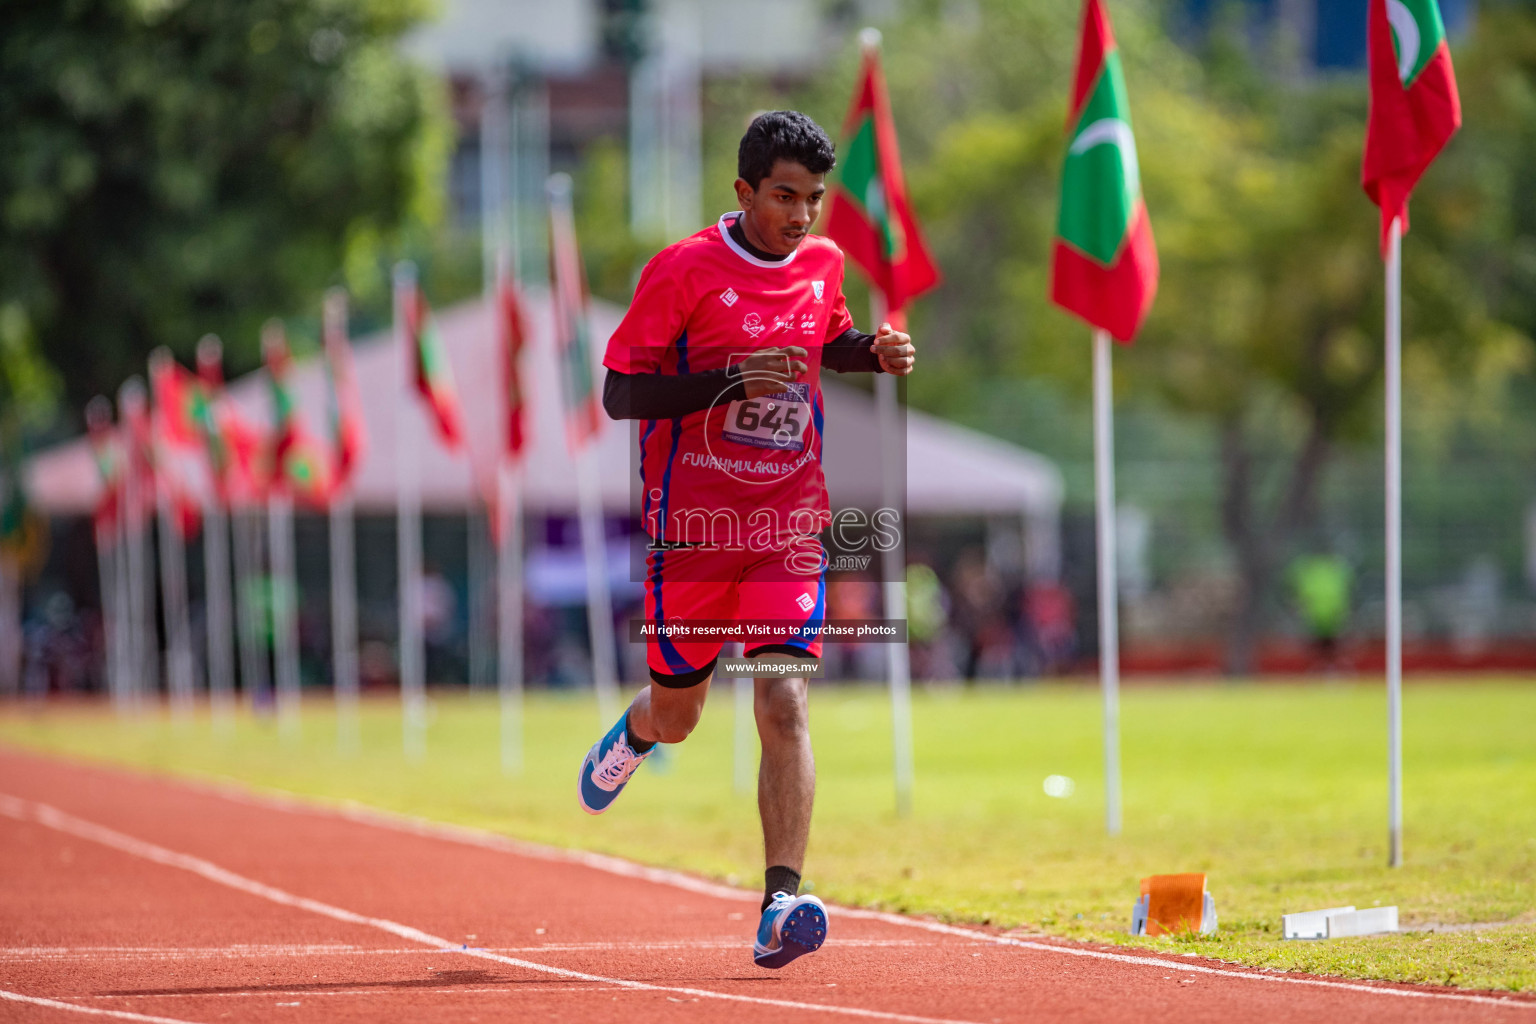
column 783, row 208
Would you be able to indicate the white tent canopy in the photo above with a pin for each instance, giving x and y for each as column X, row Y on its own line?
column 951, row 470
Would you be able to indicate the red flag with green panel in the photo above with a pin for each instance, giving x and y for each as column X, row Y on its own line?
column 870, row 217
column 181, row 401
column 573, row 322
column 249, row 474
column 512, row 334
column 300, row 462
column 1415, row 108
column 1103, row 261
column 180, row 457
column 106, row 447
column 430, row 372
column 349, row 434
column 210, row 372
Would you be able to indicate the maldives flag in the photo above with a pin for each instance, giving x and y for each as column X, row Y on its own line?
column 180, row 470
column 573, row 327
column 107, row 450
column 870, row 217
column 349, row 437
column 430, row 372
column 1103, row 261
column 1415, row 108
column 249, row 475
column 299, row 461
column 210, row 372
column 139, row 455
column 180, row 402
column 511, row 334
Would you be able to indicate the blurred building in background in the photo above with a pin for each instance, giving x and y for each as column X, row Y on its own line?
column 581, row 71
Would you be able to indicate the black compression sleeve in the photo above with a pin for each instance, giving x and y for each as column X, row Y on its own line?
column 665, row 396
column 849, row 353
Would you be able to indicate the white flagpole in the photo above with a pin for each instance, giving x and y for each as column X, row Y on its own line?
column 285, row 612
column 285, row 584
column 509, row 571
column 1109, row 622
column 482, row 619
column 221, row 655
column 246, row 528
column 499, row 236
column 343, row 551
column 179, row 671
column 894, row 570
column 509, row 604
column 138, row 599
column 344, row 622
column 1394, row 472
column 123, row 647
column 98, row 418
column 594, row 548
column 408, row 529
column 106, row 566
column 173, row 601
column 589, row 499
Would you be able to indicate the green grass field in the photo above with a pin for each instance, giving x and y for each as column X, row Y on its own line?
column 1277, row 791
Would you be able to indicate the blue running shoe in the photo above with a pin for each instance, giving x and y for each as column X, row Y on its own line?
column 606, row 768
column 792, row 926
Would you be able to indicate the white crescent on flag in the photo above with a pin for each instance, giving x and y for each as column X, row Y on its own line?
column 1407, row 32
column 1111, row 131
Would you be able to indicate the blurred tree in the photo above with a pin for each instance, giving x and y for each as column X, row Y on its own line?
column 174, row 167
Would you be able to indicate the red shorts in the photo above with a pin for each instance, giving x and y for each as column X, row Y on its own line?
column 694, row 583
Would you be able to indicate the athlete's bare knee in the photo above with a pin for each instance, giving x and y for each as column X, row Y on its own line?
column 782, row 710
column 674, row 718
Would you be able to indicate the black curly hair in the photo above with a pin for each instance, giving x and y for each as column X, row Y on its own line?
column 782, row 135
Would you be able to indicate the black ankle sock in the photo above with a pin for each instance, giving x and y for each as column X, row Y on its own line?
column 779, row 879
column 636, row 744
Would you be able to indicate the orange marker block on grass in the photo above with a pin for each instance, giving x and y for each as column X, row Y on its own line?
column 1173, row 903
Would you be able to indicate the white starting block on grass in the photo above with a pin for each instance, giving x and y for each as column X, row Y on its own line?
column 1340, row 922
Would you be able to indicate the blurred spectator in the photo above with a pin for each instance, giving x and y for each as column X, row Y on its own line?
column 60, row 656
column 1050, row 619
column 438, row 604
column 854, row 600
column 440, row 627
column 927, row 624
column 979, row 618
column 1321, row 584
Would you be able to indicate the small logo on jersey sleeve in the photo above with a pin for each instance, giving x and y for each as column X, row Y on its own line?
column 729, row 296
column 753, row 324
column 818, row 287
column 806, row 602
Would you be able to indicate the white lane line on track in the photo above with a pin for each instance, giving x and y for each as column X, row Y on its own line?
column 237, row 792
column 17, row 997
column 52, row 817
column 446, row 990
column 37, row 954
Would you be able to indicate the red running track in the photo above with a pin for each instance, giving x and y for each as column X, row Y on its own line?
column 137, row 898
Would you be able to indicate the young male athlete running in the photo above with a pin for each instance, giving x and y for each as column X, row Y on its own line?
column 719, row 357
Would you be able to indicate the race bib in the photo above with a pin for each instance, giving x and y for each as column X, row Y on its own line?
column 779, row 421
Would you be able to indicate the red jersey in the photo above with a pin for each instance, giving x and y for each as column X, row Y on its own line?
column 744, row 472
